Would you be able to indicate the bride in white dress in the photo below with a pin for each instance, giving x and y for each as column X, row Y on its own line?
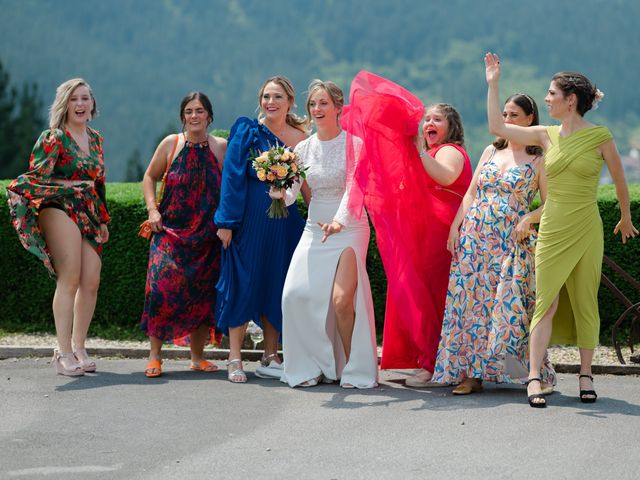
column 328, row 328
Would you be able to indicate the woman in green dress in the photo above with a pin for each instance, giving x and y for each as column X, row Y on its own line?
column 59, row 211
column 570, row 245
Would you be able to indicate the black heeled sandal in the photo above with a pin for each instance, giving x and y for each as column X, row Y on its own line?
column 536, row 396
column 587, row 396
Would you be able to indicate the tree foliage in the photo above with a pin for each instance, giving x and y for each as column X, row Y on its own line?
column 20, row 124
column 142, row 56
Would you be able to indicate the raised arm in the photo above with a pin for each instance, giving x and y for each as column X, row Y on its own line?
column 614, row 164
column 536, row 135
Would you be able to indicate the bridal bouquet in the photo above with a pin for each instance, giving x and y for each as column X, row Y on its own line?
column 280, row 167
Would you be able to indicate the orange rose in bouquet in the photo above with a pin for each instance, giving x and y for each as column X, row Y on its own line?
column 279, row 167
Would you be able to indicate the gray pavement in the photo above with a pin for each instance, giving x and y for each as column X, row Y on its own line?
column 117, row 424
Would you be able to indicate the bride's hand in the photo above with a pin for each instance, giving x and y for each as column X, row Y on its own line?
column 276, row 193
column 329, row 229
column 492, row 67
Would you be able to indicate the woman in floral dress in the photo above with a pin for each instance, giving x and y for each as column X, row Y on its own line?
column 59, row 211
column 184, row 256
column 491, row 295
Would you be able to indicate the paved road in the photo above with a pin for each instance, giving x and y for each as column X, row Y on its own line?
column 117, row 424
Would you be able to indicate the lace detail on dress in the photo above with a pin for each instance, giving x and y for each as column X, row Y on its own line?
column 326, row 173
column 325, row 160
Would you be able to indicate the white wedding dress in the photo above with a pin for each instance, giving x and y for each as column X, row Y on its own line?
column 310, row 341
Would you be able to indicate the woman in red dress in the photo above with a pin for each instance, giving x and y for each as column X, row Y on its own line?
column 411, row 342
column 411, row 195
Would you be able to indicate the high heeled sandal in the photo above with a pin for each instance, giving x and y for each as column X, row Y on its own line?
column 75, row 370
column 587, row 396
column 536, row 396
column 235, row 373
column 88, row 365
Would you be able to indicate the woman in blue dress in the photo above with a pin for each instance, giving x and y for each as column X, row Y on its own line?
column 256, row 249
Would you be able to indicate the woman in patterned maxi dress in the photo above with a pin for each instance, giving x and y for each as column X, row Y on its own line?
column 570, row 244
column 491, row 294
column 59, row 209
column 184, row 255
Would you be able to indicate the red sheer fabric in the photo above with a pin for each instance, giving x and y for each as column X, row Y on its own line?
column 410, row 212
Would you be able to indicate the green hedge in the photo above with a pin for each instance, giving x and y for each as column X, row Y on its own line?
column 27, row 288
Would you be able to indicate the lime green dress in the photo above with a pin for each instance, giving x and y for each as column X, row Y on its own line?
column 570, row 246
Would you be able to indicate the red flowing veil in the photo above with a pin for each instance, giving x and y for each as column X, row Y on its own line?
column 387, row 177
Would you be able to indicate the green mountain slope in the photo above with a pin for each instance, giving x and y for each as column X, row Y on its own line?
column 142, row 56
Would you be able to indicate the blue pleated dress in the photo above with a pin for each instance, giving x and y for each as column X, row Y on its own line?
column 254, row 266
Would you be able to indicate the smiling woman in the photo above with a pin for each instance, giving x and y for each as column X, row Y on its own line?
column 256, row 249
column 328, row 322
column 58, row 208
column 184, row 255
column 569, row 251
column 411, row 340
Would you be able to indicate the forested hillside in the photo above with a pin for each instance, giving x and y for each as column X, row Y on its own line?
column 142, row 56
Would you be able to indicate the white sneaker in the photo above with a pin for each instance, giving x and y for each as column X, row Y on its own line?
column 270, row 369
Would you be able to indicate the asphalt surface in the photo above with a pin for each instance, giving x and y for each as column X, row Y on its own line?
column 118, row 424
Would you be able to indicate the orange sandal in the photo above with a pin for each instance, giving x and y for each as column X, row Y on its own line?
column 204, row 366
column 153, row 368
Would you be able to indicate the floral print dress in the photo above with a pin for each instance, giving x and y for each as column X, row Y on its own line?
column 184, row 259
column 56, row 157
column 491, row 294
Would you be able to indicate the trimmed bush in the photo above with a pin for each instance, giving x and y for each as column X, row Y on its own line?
column 27, row 288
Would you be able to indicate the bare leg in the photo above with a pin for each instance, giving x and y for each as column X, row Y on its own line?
column 344, row 290
column 155, row 353
column 236, row 337
column 538, row 343
column 234, row 365
column 64, row 243
column 586, row 359
column 87, row 294
column 270, row 339
column 198, row 340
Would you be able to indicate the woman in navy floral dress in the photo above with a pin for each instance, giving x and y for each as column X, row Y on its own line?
column 58, row 208
column 184, row 256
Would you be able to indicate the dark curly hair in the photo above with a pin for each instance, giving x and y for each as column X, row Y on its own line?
column 572, row 82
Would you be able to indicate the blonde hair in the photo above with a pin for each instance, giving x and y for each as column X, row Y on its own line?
column 58, row 109
column 333, row 90
column 292, row 119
